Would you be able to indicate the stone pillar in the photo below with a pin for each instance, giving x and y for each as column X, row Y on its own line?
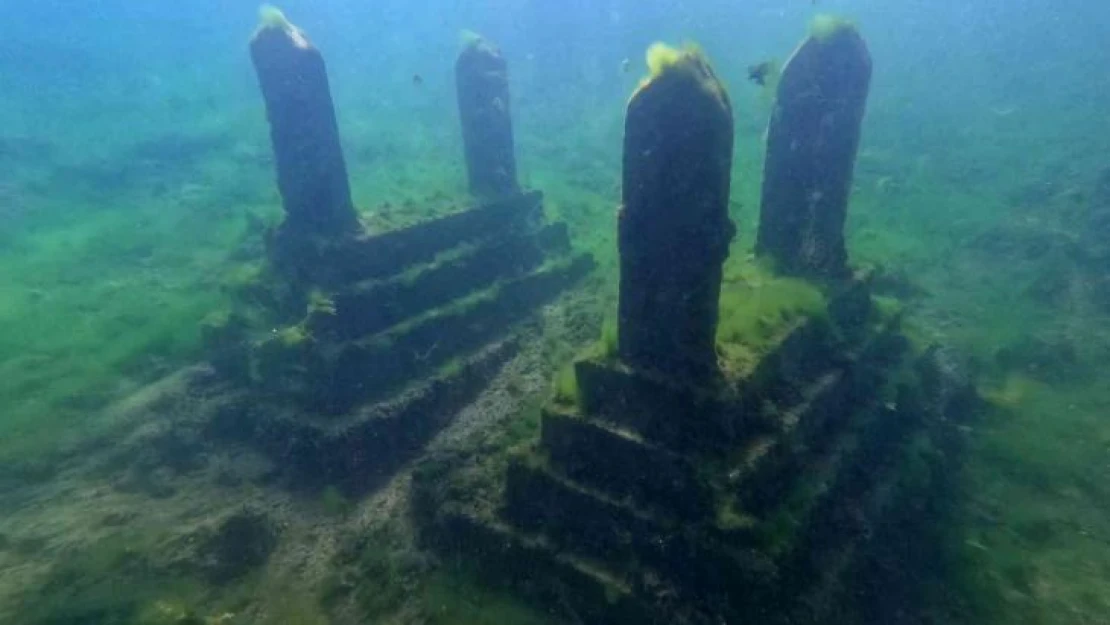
column 482, row 81
column 673, row 225
column 811, row 152
column 311, row 172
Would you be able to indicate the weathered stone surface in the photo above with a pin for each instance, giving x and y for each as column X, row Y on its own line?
column 674, row 230
column 574, row 587
column 311, row 171
column 655, row 478
column 378, row 365
column 482, row 82
column 356, row 452
column 635, row 544
column 675, row 416
column 389, row 253
column 374, row 306
column 811, row 151
column 776, row 524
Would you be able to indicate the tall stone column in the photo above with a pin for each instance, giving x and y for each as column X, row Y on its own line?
column 811, row 152
column 311, row 171
column 482, row 83
column 674, row 231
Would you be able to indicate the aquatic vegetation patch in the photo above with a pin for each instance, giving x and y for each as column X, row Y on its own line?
column 269, row 16
column 824, row 26
column 608, row 343
column 77, row 334
column 113, row 582
column 105, row 302
column 565, row 387
column 756, row 305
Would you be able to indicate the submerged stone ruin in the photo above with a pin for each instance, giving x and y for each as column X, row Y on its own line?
column 671, row 481
column 482, row 85
column 673, row 226
column 311, row 171
column 811, row 152
column 357, row 346
column 665, row 488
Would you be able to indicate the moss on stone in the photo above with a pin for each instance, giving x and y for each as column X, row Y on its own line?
column 824, row 26
column 687, row 63
column 270, row 16
column 607, row 346
column 757, row 307
column 566, row 391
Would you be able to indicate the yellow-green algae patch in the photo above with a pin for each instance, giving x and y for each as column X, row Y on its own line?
column 661, row 57
column 269, row 16
column 665, row 61
column 824, row 26
column 566, row 392
column 756, row 305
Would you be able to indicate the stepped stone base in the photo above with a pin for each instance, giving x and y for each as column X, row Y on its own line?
column 355, row 452
column 663, row 503
column 400, row 331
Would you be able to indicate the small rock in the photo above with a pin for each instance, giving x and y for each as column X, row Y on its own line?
column 241, row 543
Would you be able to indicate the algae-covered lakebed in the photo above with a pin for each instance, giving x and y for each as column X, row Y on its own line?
column 207, row 418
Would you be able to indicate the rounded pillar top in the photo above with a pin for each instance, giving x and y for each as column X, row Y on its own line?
column 667, row 64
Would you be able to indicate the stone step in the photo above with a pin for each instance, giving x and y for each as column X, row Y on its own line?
column 578, row 589
column 356, row 452
column 623, row 465
column 382, row 255
column 762, row 473
column 706, row 420
column 855, row 486
column 581, row 521
column 839, row 492
column 677, row 417
column 375, row 367
column 372, row 306
column 806, row 349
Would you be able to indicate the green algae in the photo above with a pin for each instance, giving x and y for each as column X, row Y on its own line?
column 86, row 333
column 756, row 307
column 608, row 343
column 454, row 598
column 824, row 26
column 80, row 341
column 111, row 582
column 565, row 387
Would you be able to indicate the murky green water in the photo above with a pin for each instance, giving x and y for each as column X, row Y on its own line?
column 137, row 184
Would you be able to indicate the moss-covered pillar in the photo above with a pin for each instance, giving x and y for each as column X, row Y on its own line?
column 811, row 151
column 482, row 83
column 674, row 230
column 311, row 172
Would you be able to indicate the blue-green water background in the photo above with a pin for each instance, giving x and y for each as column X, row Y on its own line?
column 133, row 144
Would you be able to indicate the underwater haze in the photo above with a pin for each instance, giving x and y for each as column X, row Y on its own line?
column 138, row 200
